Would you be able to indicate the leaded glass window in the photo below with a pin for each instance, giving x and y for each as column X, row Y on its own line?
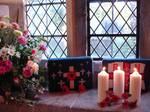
column 113, row 28
column 47, row 18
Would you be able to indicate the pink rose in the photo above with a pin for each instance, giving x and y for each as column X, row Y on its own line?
column 33, row 51
column 30, row 63
column 27, row 72
column 2, row 70
column 42, row 47
column 22, row 40
column 35, row 68
column 3, row 51
column 1, row 62
column 15, row 25
column 16, row 80
column 8, row 65
column 25, row 32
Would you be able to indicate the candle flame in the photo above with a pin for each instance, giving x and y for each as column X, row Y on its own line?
column 118, row 67
column 104, row 68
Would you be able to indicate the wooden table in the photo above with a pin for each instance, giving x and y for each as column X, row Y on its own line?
column 73, row 102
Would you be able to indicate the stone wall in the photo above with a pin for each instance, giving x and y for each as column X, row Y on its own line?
column 16, row 10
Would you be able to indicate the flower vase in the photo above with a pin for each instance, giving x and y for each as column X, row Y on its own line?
column 30, row 94
column 6, row 81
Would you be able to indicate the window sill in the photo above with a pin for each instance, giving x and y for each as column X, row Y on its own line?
column 73, row 102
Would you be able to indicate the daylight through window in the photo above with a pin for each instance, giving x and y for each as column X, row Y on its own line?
column 47, row 18
column 113, row 28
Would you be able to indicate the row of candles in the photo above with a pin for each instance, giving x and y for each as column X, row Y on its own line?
column 118, row 84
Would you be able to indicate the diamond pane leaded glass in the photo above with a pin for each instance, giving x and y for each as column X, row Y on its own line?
column 47, row 18
column 113, row 46
column 113, row 28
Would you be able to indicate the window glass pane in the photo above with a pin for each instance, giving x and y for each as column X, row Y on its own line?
column 113, row 47
column 113, row 26
column 113, row 18
column 57, row 21
column 44, row 1
column 56, row 47
column 47, row 18
column 57, row 1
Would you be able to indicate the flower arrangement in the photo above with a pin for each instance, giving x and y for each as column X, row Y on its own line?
column 19, row 58
column 112, row 99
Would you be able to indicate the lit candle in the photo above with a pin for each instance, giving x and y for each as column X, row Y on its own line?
column 103, row 84
column 135, row 87
column 118, row 82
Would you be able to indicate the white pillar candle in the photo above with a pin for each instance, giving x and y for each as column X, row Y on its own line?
column 118, row 82
column 103, row 85
column 135, row 87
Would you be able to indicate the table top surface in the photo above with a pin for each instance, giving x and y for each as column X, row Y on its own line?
column 88, row 101
column 74, row 102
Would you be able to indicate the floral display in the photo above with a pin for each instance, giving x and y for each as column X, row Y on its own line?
column 19, row 58
column 113, row 99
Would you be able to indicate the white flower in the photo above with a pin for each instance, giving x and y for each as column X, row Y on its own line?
column 33, row 79
column 11, row 50
column 36, row 58
column 18, row 54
